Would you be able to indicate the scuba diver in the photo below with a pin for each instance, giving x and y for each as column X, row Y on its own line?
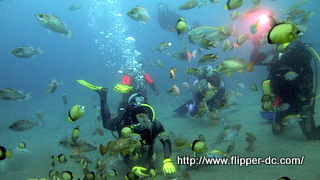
column 134, row 81
column 289, row 95
column 137, row 119
column 167, row 17
column 208, row 90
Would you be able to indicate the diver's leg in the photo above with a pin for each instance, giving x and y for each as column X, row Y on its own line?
column 277, row 127
column 105, row 111
column 307, row 125
column 184, row 108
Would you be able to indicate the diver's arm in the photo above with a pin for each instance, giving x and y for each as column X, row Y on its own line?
column 128, row 161
column 164, row 139
column 151, row 83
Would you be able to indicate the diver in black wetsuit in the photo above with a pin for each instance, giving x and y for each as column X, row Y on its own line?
column 207, row 76
column 291, row 82
column 167, row 17
column 149, row 129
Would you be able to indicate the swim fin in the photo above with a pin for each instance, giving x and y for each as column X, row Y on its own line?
column 88, row 85
column 184, row 109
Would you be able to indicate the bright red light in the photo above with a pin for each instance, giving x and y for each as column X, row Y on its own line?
column 263, row 19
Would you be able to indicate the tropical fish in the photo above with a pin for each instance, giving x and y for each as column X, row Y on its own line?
column 254, row 27
column 172, row 73
column 217, row 154
column 189, row 5
column 98, row 131
column 181, row 26
column 174, row 91
column 307, row 17
column 161, row 47
column 229, row 133
column 75, row 7
column 243, row 38
column 229, row 99
column 53, row 23
column 284, row 33
column 256, row 2
column 290, row 76
column 8, row 94
column 52, row 87
column 160, row 63
column 192, row 72
column 295, row 5
column 122, row 144
column 295, row 14
column 234, row 15
column 241, row 85
column 254, row 87
column 23, row 125
column 26, row 52
column 81, row 144
column 225, row 45
column 139, row 13
column 185, row 85
column 233, row 4
column 234, row 64
column 291, row 119
column 151, row 62
column 208, row 58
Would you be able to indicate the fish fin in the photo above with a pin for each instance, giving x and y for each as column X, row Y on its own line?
column 222, row 29
column 241, row 71
column 103, row 150
column 250, row 66
column 225, row 7
column 124, row 153
column 70, row 34
column 28, row 97
column 39, row 50
column 228, row 74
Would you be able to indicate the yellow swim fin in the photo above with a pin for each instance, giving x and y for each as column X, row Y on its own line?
column 88, row 85
column 122, row 88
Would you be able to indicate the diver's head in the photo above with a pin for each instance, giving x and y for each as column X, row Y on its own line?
column 136, row 99
column 141, row 117
column 208, row 68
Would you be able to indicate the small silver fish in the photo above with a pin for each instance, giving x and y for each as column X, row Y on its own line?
column 23, row 125
column 52, row 87
column 75, row 7
column 53, row 23
column 26, row 52
column 8, row 94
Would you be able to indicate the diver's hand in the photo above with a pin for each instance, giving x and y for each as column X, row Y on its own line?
column 168, row 167
column 156, row 92
column 137, row 170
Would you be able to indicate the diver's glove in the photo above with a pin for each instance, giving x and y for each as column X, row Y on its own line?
column 168, row 167
column 122, row 88
column 137, row 170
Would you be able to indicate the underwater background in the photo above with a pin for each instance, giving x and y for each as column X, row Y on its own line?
column 98, row 52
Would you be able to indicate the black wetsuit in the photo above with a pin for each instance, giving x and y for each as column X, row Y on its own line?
column 217, row 81
column 148, row 137
column 295, row 91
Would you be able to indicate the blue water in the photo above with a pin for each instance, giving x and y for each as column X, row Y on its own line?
column 97, row 53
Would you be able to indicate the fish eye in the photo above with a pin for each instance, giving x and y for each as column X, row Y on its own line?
column 40, row 16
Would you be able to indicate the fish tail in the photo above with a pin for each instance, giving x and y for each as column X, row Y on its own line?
column 41, row 123
column 39, row 50
column 70, row 34
column 249, row 66
column 28, row 97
